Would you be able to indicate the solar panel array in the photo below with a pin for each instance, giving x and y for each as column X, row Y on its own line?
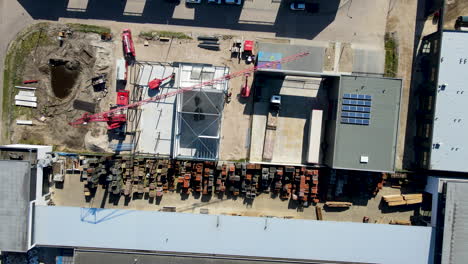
column 355, row 121
column 356, row 109
column 357, row 96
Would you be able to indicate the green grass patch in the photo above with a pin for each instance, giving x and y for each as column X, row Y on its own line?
column 391, row 56
column 88, row 28
column 26, row 43
column 31, row 141
column 163, row 34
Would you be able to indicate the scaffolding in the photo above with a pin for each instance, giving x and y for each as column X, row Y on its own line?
column 186, row 126
column 199, row 113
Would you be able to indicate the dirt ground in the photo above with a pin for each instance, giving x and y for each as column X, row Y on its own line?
column 401, row 24
column 71, row 194
column 84, row 56
column 454, row 9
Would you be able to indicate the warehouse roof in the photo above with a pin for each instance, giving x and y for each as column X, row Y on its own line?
column 449, row 142
column 14, row 204
column 230, row 235
column 367, row 123
column 455, row 237
column 83, row 256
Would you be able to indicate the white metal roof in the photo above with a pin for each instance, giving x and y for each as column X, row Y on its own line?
column 231, row 235
column 156, row 117
column 449, row 140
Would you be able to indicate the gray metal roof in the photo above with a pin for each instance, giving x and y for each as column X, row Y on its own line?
column 449, row 140
column 275, row 51
column 121, row 257
column 14, row 204
column 455, row 238
column 199, row 112
column 230, row 235
column 378, row 140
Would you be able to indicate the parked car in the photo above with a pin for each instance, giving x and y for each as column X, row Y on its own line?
column 193, row 1
column 297, row 6
column 302, row 6
column 215, row 2
column 233, row 2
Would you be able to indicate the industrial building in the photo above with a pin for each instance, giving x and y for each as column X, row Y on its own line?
column 95, row 233
column 21, row 173
column 441, row 141
column 363, row 136
column 344, row 121
column 186, row 126
column 449, row 209
column 221, row 236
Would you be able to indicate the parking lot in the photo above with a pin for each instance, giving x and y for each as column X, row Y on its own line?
column 336, row 20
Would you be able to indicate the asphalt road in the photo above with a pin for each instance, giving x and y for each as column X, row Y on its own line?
column 13, row 18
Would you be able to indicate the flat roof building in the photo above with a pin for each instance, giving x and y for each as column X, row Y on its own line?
column 363, row 136
column 442, row 143
column 230, row 237
column 449, row 141
column 15, row 177
column 448, row 218
column 359, row 114
column 21, row 176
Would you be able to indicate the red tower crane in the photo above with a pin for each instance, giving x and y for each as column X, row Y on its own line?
column 115, row 117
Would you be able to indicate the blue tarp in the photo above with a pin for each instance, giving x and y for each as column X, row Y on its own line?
column 265, row 57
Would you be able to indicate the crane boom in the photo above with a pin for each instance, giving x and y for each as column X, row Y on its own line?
column 104, row 116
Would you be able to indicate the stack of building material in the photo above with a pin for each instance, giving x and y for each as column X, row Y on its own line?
column 26, row 98
column 400, row 222
column 338, row 204
column 395, row 200
column 413, row 198
column 24, row 122
column 209, row 42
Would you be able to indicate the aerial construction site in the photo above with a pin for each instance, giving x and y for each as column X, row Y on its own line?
column 240, row 129
column 169, row 132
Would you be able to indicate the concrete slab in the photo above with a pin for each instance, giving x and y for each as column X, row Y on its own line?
column 77, row 5
column 289, row 139
column 371, row 61
column 183, row 12
column 259, row 12
column 259, row 119
column 134, row 7
column 299, row 95
column 157, row 118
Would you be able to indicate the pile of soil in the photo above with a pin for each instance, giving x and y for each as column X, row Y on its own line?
column 64, row 73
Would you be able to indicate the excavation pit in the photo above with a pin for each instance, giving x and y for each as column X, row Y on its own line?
column 63, row 75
